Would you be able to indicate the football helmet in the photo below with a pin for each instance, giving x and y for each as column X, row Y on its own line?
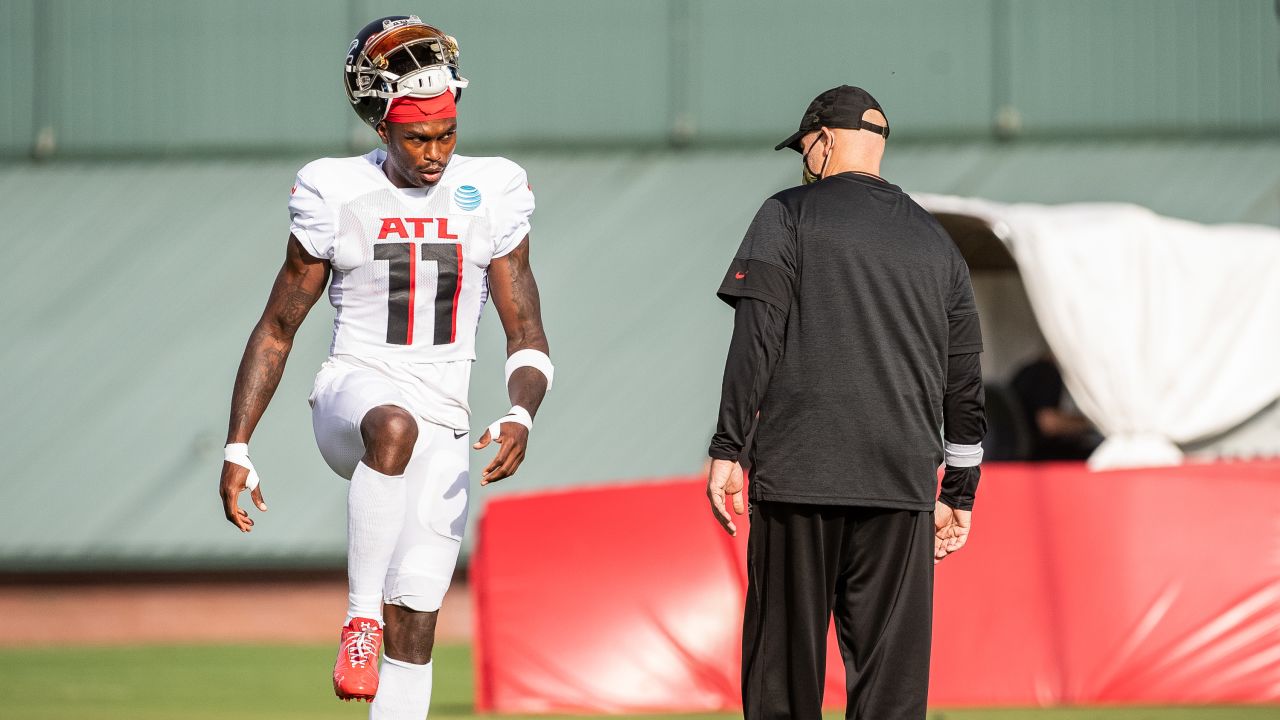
column 396, row 56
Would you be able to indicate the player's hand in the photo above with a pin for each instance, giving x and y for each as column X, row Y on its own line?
column 514, row 438
column 951, row 530
column 725, row 481
column 235, row 480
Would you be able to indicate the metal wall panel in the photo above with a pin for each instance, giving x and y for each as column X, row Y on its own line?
column 1146, row 65
column 141, row 335
column 565, row 71
column 181, row 76
column 17, row 77
column 756, row 65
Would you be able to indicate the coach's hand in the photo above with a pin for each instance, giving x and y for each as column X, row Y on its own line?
column 514, row 438
column 725, row 479
column 951, row 530
column 235, row 480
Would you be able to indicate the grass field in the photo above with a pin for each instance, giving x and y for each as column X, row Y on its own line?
column 291, row 683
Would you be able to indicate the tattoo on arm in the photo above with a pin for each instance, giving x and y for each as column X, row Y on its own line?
column 515, row 294
column 298, row 285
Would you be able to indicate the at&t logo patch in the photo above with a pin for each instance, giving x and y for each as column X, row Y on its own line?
column 467, row 197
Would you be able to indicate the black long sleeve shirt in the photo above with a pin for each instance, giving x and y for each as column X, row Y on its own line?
column 856, row 339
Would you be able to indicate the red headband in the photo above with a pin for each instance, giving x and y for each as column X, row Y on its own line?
column 410, row 109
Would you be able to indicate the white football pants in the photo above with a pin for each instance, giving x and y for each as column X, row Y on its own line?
column 436, row 479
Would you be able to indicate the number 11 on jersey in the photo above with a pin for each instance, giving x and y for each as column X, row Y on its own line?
column 402, row 288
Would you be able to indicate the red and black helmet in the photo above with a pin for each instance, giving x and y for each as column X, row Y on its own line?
column 396, row 56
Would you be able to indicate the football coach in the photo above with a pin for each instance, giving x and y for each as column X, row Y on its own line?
column 855, row 354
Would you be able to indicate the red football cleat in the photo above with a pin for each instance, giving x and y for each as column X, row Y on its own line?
column 355, row 673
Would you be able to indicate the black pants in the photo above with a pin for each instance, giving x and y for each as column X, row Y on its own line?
column 872, row 568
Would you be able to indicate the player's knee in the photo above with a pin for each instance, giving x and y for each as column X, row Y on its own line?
column 409, row 635
column 389, row 436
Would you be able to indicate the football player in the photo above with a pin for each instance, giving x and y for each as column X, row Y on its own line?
column 410, row 241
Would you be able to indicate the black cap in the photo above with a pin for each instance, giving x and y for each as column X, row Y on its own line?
column 839, row 107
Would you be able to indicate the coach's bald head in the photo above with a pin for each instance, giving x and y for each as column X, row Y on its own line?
column 845, row 149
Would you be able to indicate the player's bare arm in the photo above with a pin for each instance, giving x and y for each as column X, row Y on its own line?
column 515, row 295
column 300, row 282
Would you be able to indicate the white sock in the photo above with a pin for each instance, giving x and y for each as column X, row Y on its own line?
column 375, row 513
column 404, row 691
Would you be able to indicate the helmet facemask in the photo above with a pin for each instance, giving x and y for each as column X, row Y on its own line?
column 407, row 57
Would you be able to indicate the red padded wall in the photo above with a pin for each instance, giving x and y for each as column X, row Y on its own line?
column 1146, row 586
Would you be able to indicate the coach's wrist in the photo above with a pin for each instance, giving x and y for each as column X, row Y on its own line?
column 720, row 453
column 956, row 503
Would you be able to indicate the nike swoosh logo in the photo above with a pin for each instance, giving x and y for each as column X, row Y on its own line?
column 739, row 276
column 459, row 435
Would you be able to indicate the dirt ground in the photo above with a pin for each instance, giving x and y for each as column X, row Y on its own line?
column 192, row 608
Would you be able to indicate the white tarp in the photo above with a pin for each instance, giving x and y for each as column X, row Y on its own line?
column 1166, row 331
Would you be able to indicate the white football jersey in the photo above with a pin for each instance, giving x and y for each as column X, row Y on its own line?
column 410, row 265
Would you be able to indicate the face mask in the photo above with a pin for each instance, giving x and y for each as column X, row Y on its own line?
column 807, row 174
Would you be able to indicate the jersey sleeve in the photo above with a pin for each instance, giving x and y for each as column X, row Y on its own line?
column 765, row 265
column 310, row 218
column 514, row 212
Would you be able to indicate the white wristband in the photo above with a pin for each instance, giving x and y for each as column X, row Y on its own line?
column 516, row 414
column 238, row 454
column 529, row 357
column 962, row 456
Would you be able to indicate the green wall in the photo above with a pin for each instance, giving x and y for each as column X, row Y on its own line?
column 127, row 311
column 136, row 282
column 181, row 77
